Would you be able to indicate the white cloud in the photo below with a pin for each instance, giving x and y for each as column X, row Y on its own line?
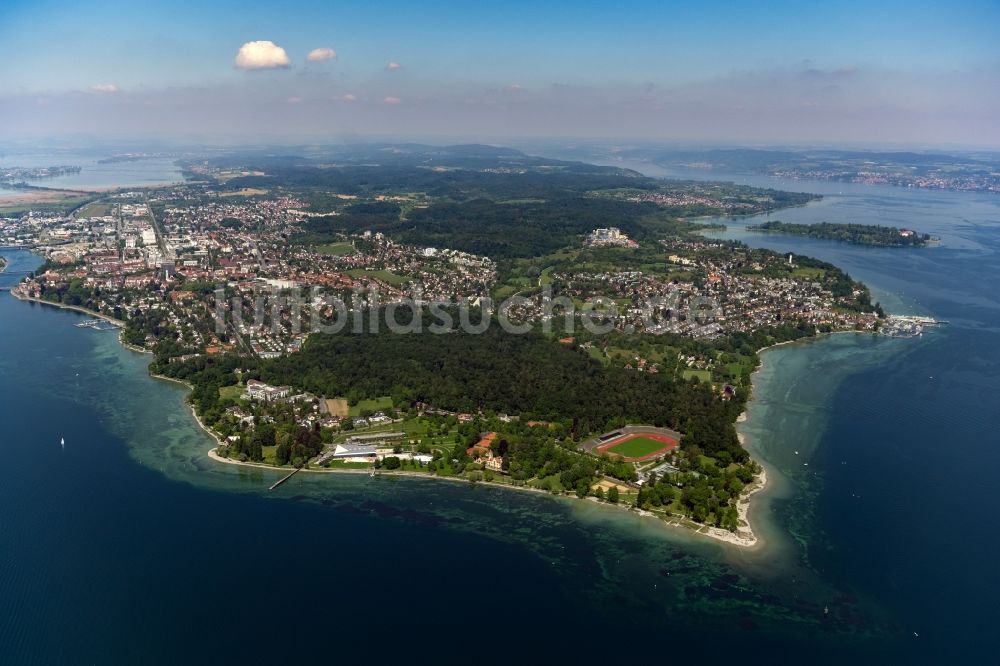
column 514, row 87
column 348, row 97
column 104, row 88
column 262, row 54
column 392, row 100
column 392, row 66
column 294, row 100
column 321, row 54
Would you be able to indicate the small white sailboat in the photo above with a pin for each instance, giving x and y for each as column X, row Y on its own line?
column 62, row 442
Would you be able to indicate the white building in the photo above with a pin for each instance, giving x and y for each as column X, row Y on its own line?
column 267, row 393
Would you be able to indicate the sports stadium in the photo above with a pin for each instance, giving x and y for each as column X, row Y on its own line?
column 634, row 443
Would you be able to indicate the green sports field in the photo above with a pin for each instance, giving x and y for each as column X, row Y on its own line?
column 637, row 447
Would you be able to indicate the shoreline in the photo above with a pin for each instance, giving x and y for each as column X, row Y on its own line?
column 62, row 306
column 744, row 537
column 748, row 539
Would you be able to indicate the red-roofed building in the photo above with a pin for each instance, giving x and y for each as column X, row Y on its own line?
column 482, row 447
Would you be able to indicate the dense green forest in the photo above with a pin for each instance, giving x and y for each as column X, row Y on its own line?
column 497, row 230
column 455, row 184
column 526, row 375
column 858, row 234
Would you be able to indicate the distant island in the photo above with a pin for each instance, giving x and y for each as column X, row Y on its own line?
column 858, row 234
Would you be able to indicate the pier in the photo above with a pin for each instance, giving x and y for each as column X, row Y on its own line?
column 98, row 324
column 908, row 326
column 285, row 478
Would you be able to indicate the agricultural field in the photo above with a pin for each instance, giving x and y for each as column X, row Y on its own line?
column 43, row 201
column 338, row 407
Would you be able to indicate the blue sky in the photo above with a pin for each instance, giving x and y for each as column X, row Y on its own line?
column 899, row 71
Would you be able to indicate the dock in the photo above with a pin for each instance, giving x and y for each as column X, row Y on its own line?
column 908, row 326
column 97, row 325
column 285, row 478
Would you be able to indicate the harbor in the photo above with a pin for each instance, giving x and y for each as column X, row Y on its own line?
column 908, row 326
column 97, row 325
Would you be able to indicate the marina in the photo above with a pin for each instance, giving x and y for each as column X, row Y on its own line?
column 97, row 325
column 908, row 326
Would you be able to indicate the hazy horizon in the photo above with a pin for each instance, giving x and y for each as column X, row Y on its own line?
column 898, row 74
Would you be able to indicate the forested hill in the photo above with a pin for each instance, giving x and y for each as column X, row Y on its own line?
column 450, row 183
column 526, row 375
column 482, row 226
column 433, row 159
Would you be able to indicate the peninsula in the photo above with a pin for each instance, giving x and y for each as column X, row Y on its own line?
column 498, row 319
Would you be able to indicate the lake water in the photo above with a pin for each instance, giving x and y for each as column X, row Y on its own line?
column 92, row 175
column 129, row 545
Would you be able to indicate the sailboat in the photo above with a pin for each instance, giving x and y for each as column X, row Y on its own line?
column 62, row 442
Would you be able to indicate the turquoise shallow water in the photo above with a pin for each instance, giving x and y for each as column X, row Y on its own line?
column 129, row 544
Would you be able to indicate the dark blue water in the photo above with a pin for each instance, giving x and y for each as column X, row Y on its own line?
column 904, row 473
column 130, row 546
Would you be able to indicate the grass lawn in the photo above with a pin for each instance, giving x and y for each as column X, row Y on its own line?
column 549, row 483
column 505, row 291
column 814, row 273
column 336, row 249
column 385, row 276
column 233, row 392
column 546, row 276
column 520, row 281
column 414, row 427
column 704, row 376
column 443, row 468
column 637, row 447
column 343, row 464
column 375, row 405
column 96, row 209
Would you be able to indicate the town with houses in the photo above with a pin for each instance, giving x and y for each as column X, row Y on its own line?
column 131, row 262
column 237, row 279
column 157, row 261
